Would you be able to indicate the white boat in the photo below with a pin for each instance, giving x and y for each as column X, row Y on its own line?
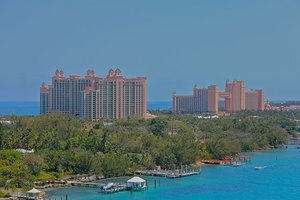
column 260, row 167
column 236, row 164
column 107, row 186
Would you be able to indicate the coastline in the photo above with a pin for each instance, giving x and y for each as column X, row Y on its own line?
column 64, row 184
column 67, row 183
column 216, row 182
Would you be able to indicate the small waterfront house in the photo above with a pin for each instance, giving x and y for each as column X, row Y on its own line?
column 136, row 183
column 34, row 194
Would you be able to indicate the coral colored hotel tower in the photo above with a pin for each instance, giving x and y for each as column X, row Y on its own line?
column 207, row 99
column 91, row 97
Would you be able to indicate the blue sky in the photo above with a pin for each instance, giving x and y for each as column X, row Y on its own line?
column 175, row 44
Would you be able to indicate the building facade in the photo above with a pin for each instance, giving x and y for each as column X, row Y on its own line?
column 198, row 102
column 44, row 99
column 236, row 100
column 92, row 97
column 207, row 100
column 213, row 99
column 255, row 100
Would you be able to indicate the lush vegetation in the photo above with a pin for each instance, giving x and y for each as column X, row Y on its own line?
column 65, row 146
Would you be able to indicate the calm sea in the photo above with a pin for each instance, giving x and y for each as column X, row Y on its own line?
column 280, row 180
column 32, row 108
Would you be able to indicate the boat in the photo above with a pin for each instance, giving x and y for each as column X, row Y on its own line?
column 107, row 187
column 112, row 188
column 236, row 164
column 259, row 167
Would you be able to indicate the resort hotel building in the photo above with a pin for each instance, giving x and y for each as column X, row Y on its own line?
column 92, row 97
column 206, row 100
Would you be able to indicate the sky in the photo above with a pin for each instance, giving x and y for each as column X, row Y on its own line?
column 175, row 44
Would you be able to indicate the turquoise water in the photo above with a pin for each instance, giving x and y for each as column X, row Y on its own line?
column 280, row 180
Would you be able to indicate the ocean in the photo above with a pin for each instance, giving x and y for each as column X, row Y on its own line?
column 279, row 180
column 32, row 108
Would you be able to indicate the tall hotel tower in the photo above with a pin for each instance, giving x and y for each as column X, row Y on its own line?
column 91, row 97
column 202, row 100
column 255, row 100
column 207, row 99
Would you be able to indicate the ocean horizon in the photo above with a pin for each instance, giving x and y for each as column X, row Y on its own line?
column 32, row 108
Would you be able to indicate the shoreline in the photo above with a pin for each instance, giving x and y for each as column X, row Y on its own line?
column 260, row 158
column 58, row 184
column 66, row 183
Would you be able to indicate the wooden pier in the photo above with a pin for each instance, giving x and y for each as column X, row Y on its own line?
column 115, row 187
column 24, row 196
column 229, row 160
column 169, row 174
column 238, row 158
column 85, row 184
column 216, row 162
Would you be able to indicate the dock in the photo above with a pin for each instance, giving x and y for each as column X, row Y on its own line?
column 24, row 196
column 216, row 162
column 169, row 174
column 113, row 188
column 85, row 184
column 229, row 160
column 238, row 158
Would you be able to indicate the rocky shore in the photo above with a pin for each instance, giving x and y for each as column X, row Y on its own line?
column 65, row 182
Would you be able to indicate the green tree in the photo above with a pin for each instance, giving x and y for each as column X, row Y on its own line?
column 158, row 126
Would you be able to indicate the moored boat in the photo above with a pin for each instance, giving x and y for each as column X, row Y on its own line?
column 236, row 164
column 106, row 188
column 259, row 167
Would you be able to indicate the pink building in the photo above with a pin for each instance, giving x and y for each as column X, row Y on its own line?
column 198, row 102
column 255, row 100
column 235, row 95
column 92, row 97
